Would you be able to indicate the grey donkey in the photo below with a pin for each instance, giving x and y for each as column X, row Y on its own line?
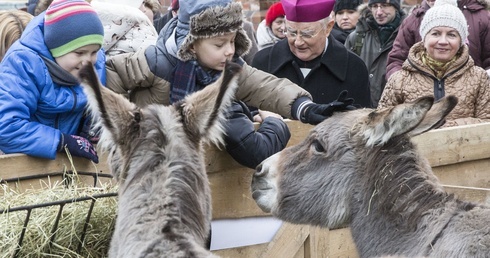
column 361, row 169
column 156, row 155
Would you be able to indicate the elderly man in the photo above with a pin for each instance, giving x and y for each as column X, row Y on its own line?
column 312, row 58
column 373, row 39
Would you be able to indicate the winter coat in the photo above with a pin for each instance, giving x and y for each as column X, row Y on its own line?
column 339, row 70
column 248, row 146
column 145, row 76
column 126, row 29
column 34, row 110
column 373, row 53
column 463, row 79
column 478, row 19
column 265, row 36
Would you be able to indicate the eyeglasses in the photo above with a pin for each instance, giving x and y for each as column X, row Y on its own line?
column 383, row 7
column 303, row 35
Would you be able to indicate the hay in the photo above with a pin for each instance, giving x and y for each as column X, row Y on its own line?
column 67, row 231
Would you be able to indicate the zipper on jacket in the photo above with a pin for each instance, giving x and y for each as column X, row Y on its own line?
column 57, row 121
column 438, row 89
column 75, row 99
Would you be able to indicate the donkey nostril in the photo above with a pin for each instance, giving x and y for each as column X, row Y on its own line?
column 260, row 171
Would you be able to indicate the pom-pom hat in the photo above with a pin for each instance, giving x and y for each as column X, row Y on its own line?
column 307, row 10
column 216, row 21
column 71, row 24
column 444, row 13
column 274, row 11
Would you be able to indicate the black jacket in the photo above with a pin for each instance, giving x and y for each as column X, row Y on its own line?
column 247, row 146
column 339, row 70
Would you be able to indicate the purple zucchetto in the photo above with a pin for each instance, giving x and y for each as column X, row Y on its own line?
column 307, row 10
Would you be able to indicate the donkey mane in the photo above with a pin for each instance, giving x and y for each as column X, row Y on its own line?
column 396, row 184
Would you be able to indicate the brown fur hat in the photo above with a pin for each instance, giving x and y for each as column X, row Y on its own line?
column 216, row 21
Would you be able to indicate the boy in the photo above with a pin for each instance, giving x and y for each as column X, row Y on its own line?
column 41, row 101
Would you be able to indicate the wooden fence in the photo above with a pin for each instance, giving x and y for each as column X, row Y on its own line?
column 460, row 157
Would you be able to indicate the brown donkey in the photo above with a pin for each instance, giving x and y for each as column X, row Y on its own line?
column 360, row 169
column 156, row 155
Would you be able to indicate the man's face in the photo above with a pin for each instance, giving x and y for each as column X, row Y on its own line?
column 307, row 39
column 383, row 13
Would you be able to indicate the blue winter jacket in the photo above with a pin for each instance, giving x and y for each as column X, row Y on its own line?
column 34, row 110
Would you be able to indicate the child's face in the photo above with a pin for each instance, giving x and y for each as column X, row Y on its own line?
column 73, row 61
column 212, row 53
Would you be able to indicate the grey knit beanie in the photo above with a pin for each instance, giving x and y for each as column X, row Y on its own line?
column 215, row 21
column 444, row 13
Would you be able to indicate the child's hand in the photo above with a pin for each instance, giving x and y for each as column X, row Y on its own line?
column 264, row 114
column 78, row 146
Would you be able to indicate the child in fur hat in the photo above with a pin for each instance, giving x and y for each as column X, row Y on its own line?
column 42, row 103
column 216, row 36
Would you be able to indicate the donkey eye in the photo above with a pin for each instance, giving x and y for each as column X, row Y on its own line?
column 318, row 146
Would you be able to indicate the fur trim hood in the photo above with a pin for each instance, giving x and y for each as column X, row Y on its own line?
column 216, row 21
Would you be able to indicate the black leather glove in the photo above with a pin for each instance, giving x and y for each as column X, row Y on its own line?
column 78, row 146
column 315, row 113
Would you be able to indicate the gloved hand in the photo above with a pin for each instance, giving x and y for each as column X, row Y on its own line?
column 78, row 146
column 315, row 113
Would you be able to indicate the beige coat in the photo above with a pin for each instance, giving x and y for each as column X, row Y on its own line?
column 129, row 74
column 466, row 81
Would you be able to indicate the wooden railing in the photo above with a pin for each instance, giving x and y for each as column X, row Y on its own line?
column 460, row 157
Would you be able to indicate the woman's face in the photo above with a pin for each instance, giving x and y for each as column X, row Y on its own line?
column 212, row 53
column 442, row 43
column 346, row 19
column 278, row 27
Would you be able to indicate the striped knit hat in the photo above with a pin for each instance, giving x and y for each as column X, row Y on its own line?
column 71, row 24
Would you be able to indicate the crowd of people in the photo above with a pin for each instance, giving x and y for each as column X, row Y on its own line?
column 305, row 60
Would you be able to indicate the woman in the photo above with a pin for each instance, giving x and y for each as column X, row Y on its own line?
column 346, row 17
column 477, row 17
column 273, row 27
column 441, row 65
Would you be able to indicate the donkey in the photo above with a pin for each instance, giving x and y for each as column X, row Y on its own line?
column 156, row 155
column 360, row 169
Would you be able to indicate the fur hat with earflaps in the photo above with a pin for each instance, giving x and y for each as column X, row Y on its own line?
column 216, row 21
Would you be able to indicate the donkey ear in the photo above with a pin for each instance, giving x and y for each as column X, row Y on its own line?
column 204, row 111
column 111, row 111
column 435, row 117
column 384, row 124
